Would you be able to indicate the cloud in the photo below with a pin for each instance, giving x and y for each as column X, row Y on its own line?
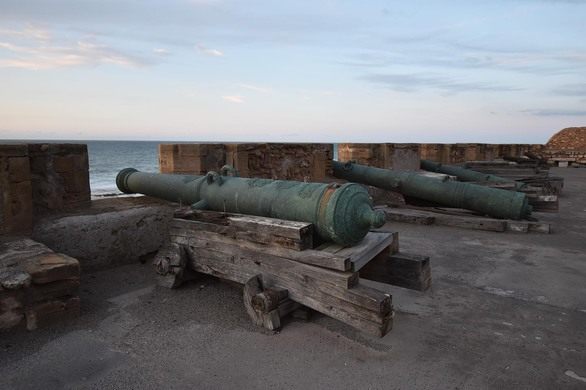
column 234, row 99
column 457, row 56
column 414, row 82
column 35, row 49
column 255, row 88
column 209, row 52
column 556, row 112
column 161, row 52
column 30, row 31
column 571, row 90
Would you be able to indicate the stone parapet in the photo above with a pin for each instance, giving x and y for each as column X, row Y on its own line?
column 16, row 206
column 59, row 176
column 192, row 159
column 282, row 161
column 403, row 157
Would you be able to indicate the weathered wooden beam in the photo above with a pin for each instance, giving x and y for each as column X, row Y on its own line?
column 362, row 307
column 263, row 230
column 400, row 269
column 544, row 203
column 360, row 254
column 266, row 263
column 528, row 226
column 181, row 230
column 409, row 216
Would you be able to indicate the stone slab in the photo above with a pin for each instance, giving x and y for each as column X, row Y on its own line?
column 110, row 232
column 51, row 267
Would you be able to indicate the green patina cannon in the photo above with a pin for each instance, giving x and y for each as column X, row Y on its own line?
column 464, row 174
column 490, row 201
column 340, row 213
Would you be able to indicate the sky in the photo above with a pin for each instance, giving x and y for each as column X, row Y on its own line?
column 499, row 71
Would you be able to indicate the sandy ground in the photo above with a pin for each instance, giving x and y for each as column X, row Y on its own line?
column 505, row 311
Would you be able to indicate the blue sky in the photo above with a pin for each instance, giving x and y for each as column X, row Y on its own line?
column 330, row 71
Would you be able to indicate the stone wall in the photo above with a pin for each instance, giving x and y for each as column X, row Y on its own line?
column 402, row 157
column 59, row 176
column 16, row 206
column 193, row 159
column 564, row 158
column 36, row 179
column 301, row 162
column 459, row 153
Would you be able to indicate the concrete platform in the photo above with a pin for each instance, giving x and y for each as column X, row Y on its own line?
column 505, row 311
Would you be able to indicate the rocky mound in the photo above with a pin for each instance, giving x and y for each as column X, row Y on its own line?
column 573, row 138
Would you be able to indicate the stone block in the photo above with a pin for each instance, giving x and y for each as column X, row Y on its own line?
column 15, row 190
column 53, row 290
column 194, row 159
column 17, row 215
column 51, row 267
column 60, row 176
column 47, row 313
column 400, row 157
column 18, row 169
column 282, row 161
column 110, row 232
column 11, row 309
column 403, row 157
column 13, row 150
column 64, row 163
column 433, row 152
column 36, row 285
column 13, row 279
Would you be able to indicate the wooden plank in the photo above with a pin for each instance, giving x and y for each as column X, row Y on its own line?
column 466, row 219
column 265, row 262
column 408, row 216
column 183, row 228
column 540, row 227
column 363, row 297
column 400, row 269
column 528, row 227
column 467, row 222
column 304, row 291
column 477, row 223
column 280, row 227
column 517, row 226
column 544, row 203
column 373, row 244
column 270, row 231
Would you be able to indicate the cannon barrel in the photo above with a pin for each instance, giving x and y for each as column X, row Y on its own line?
column 464, row 174
column 490, row 201
column 340, row 213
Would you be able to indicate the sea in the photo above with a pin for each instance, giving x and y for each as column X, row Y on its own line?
column 107, row 158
